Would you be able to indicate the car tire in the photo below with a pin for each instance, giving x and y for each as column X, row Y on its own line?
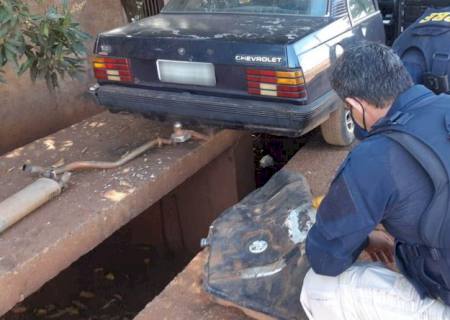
column 338, row 129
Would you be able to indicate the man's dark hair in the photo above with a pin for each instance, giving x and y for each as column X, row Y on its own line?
column 372, row 72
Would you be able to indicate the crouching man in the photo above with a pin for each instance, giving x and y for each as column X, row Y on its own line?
column 398, row 176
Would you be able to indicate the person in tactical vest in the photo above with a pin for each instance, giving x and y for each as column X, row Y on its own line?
column 397, row 177
column 424, row 48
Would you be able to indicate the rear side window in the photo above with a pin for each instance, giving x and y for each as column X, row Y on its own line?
column 296, row 7
column 361, row 8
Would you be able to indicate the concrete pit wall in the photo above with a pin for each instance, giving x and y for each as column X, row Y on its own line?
column 28, row 111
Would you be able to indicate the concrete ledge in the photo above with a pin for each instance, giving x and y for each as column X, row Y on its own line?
column 97, row 203
column 184, row 297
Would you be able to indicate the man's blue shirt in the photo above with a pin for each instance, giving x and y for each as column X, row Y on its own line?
column 379, row 182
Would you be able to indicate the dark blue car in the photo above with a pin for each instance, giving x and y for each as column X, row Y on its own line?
column 261, row 65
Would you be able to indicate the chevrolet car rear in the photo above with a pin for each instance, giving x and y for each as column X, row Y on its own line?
column 254, row 64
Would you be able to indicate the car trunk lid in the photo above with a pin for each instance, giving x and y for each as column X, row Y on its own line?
column 230, row 42
column 215, row 38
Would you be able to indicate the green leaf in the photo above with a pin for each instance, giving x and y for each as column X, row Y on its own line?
column 2, row 57
column 79, row 48
column 3, row 14
column 11, row 56
column 17, row 51
column 15, row 42
column 6, row 20
column 8, row 6
column 45, row 29
column 25, row 66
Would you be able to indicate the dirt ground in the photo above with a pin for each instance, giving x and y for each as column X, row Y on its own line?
column 117, row 279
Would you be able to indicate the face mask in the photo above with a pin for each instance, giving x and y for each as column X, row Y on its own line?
column 360, row 132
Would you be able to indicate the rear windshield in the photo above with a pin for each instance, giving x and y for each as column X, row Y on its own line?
column 299, row 7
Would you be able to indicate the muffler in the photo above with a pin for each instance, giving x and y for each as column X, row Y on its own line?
column 29, row 199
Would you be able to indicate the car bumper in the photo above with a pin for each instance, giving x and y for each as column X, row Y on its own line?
column 260, row 116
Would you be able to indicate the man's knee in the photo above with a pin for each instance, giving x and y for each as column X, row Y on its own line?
column 318, row 290
column 317, row 287
column 363, row 275
column 320, row 296
column 315, row 284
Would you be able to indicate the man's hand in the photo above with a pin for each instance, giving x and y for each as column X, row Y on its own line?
column 381, row 247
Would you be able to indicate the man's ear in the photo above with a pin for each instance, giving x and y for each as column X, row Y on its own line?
column 356, row 105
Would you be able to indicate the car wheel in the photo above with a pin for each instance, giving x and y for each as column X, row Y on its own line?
column 338, row 129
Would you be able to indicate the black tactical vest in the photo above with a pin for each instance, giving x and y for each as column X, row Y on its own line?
column 424, row 132
column 424, row 48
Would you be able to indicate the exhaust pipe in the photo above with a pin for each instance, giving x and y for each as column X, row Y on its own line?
column 29, row 199
column 179, row 135
column 53, row 173
column 49, row 185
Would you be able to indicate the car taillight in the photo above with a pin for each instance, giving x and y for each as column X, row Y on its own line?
column 286, row 84
column 112, row 69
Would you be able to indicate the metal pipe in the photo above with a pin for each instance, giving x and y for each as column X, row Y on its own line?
column 179, row 136
column 80, row 165
column 49, row 185
column 29, row 199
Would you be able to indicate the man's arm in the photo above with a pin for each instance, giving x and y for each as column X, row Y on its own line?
column 331, row 258
column 353, row 207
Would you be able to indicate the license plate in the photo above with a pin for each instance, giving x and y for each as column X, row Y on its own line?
column 183, row 72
